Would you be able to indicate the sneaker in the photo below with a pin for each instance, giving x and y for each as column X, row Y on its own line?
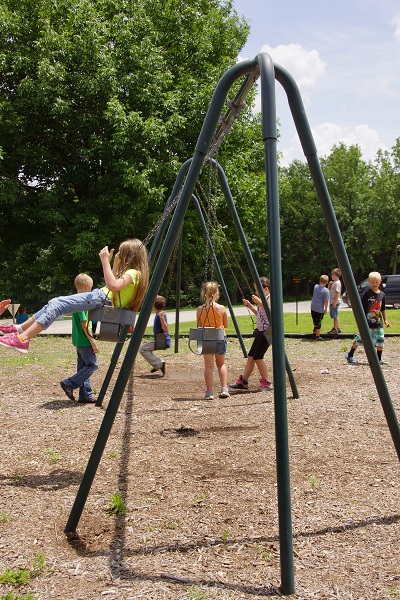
column 318, row 339
column 209, row 396
column 68, row 390
column 265, row 386
column 87, row 400
column 7, row 329
column 240, row 384
column 333, row 331
column 162, row 369
column 224, row 393
column 350, row 360
column 15, row 343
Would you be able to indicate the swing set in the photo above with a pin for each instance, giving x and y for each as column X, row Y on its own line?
column 212, row 133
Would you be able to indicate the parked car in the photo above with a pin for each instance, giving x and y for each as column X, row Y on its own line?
column 390, row 285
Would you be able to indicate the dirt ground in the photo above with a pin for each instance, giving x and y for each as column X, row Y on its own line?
column 198, row 479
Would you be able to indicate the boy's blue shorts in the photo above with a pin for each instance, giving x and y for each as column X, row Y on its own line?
column 334, row 312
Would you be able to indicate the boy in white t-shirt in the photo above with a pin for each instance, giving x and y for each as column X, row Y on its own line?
column 335, row 288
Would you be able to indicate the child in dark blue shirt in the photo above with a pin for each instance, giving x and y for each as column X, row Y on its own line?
column 160, row 326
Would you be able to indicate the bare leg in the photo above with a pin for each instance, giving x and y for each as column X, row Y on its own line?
column 24, row 326
column 208, row 371
column 250, row 364
column 32, row 331
column 222, row 370
column 262, row 367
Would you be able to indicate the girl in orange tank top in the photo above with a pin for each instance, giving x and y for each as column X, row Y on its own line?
column 212, row 314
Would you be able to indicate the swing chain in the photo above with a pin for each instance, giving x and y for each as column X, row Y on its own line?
column 167, row 211
column 217, row 229
column 226, row 122
column 172, row 267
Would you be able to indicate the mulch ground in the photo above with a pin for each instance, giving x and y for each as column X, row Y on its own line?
column 198, row 479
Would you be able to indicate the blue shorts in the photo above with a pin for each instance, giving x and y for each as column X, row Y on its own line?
column 334, row 312
column 222, row 346
column 378, row 337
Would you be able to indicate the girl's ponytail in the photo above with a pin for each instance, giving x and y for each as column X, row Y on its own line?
column 209, row 290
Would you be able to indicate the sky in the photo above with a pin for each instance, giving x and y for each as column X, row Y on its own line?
column 345, row 58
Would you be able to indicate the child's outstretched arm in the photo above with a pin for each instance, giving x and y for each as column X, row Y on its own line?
column 4, row 304
column 112, row 283
column 249, row 306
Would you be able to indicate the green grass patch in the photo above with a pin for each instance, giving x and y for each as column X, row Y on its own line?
column 18, row 577
column 302, row 323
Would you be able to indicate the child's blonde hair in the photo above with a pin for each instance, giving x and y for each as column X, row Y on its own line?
column 132, row 254
column 81, row 280
column 209, row 290
column 375, row 275
column 324, row 279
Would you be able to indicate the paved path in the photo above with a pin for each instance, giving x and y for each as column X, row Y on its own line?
column 64, row 326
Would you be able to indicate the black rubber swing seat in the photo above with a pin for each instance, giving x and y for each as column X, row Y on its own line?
column 207, row 339
column 112, row 319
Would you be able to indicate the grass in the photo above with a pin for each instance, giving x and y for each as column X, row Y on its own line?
column 18, row 577
column 301, row 325
column 117, row 505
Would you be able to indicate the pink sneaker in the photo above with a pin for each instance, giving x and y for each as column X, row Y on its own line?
column 13, row 342
column 265, row 386
column 240, row 384
column 7, row 329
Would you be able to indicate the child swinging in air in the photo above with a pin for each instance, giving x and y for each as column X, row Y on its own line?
column 211, row 314
column 126, row 285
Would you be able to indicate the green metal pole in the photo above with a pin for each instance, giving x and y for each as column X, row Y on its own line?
column 267, row 76
column 178, row 291
column 250, row 261
column 202, row 147
column 219, row 273
column 113, row 363
column 310, row 151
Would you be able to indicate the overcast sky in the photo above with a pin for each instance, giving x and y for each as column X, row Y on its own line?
column 345, row 58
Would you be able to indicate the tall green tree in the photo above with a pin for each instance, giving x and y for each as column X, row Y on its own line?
column 384, row 209
column 100, row 103
column 348, row 178
column 305, row 244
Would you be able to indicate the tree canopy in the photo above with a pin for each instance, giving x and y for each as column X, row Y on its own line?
column 101, row 102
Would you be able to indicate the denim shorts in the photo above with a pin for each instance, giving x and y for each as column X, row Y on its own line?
column 334, row 312
column 222, row 346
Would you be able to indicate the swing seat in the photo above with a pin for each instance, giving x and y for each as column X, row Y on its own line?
column 112, row 319
column 206, row 338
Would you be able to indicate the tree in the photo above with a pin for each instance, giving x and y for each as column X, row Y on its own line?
column 348, row 178
column 100, row 104
column 306, row 249
column 384, row 209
